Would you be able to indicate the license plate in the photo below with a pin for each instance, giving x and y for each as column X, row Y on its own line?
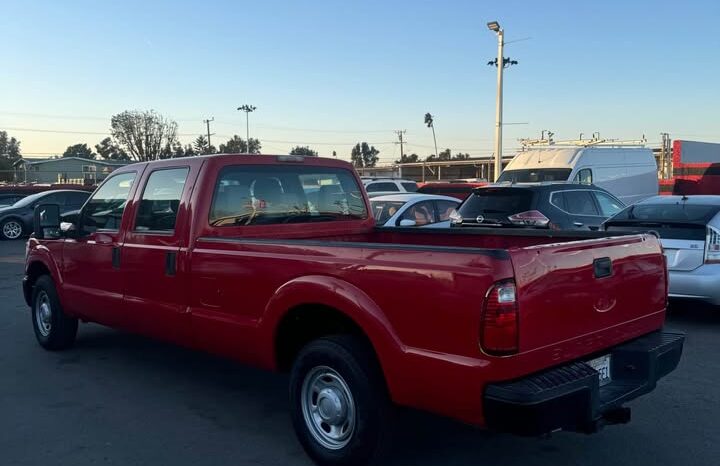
column 602, row 366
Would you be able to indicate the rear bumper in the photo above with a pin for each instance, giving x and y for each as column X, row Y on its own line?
column 570, row 397
column 702, row 283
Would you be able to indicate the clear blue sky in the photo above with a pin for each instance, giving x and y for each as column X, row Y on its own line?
column 337, row 72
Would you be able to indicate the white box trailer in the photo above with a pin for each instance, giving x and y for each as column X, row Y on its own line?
column 629, row 173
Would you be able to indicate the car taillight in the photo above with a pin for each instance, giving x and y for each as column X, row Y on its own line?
column 531, row 218
column 712, row 246
column 499, row 325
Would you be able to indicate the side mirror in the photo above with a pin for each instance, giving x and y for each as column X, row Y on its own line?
column 46, row 221
column 406, row 222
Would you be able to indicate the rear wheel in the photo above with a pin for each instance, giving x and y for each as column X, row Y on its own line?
column 11, row 229
column 54, row 330
column 341, row 411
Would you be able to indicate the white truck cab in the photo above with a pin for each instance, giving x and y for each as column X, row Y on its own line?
column 629, row 173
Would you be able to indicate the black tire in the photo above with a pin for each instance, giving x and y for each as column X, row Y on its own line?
column 54, row 330
column 5, row 231
column 353, row 360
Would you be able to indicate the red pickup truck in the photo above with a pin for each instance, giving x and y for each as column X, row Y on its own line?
column 275, row 262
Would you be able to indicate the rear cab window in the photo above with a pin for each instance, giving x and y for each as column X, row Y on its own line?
column 670, row 220
column 496, row 204
column 247, row 195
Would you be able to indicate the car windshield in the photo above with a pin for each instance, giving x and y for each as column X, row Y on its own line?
column 383, row 210
column 535, row 175
column 496, row 203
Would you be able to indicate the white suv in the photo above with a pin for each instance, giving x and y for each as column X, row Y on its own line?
column 383, row 186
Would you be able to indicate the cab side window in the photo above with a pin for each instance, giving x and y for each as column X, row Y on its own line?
column 584, row 176
column 160, row 200
column 105, row 208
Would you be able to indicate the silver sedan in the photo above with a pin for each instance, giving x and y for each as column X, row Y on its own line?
column 689, row 229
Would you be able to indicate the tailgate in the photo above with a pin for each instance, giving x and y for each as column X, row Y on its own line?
column 588, row 288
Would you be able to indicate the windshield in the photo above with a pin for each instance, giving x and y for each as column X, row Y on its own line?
column 383, row 210
column 535, row 175
column 495, row 203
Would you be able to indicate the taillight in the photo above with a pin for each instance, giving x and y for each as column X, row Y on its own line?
column 499, row 325
column 712, row 245
column 533, row 218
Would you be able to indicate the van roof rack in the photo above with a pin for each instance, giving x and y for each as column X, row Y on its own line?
column 595, row 141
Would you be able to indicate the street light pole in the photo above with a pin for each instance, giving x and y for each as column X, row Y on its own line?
column 247, row 109
column 495, row 27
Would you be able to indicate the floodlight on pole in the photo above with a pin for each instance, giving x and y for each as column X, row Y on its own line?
column 247, row 109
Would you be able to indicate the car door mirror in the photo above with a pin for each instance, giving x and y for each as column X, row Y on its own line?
column 46, row 221
column 406, row 222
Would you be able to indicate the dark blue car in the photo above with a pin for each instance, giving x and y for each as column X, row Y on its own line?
column 17, row 220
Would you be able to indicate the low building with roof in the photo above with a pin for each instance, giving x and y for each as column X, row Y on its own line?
column 69, row 170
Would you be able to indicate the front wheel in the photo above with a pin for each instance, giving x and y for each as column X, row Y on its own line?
column 54, row 330
column 341, row 411
column 11, row 229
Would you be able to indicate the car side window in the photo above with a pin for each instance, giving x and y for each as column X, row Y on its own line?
column 381, row 186
column 421, row 213
column 584, row 176
column 609, row 206
column 580, row 203
column 160, row 200
column 105, row 208
column 444, row 208
column 54, row 198
column 76, row 199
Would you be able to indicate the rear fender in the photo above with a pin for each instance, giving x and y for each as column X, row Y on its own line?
column 342, row 296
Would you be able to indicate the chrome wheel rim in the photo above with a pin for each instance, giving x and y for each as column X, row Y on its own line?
column 328, row 407
column 43, row 313
column 12, row 230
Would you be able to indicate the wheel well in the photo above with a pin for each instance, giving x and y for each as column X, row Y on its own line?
column 305, row 323
column 35, row 271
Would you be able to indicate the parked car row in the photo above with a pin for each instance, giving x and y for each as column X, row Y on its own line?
column 16, row 220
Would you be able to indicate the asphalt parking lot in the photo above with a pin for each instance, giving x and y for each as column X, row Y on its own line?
column 125, row 400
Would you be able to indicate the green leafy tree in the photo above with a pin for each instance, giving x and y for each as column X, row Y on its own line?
column 173, row 151
column 189, row 151
column 461, row 156
column 405, row 158
column 143, row 135
column 303, row 150
column 79, row 150
column 108, row 150
column 364, row 155
column 9, row 146
column 238, row 145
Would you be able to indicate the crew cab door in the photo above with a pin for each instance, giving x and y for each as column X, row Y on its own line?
column 92, row 283
column 155, row 280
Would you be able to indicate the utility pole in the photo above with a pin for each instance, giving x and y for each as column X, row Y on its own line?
column 665, row 152
column 247, row 109
column 500, row 62
column 400, row 133
column 207, row 122
column 430, row 123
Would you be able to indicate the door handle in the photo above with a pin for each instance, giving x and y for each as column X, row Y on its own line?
column 578, row 224
column 116, row 257
column 170, row 263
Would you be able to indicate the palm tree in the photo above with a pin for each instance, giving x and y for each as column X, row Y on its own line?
column 429, row 123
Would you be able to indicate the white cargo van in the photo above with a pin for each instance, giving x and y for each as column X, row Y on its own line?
column 630, row 173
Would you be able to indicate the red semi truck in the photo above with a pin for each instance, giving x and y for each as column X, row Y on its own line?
column 276, row 262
